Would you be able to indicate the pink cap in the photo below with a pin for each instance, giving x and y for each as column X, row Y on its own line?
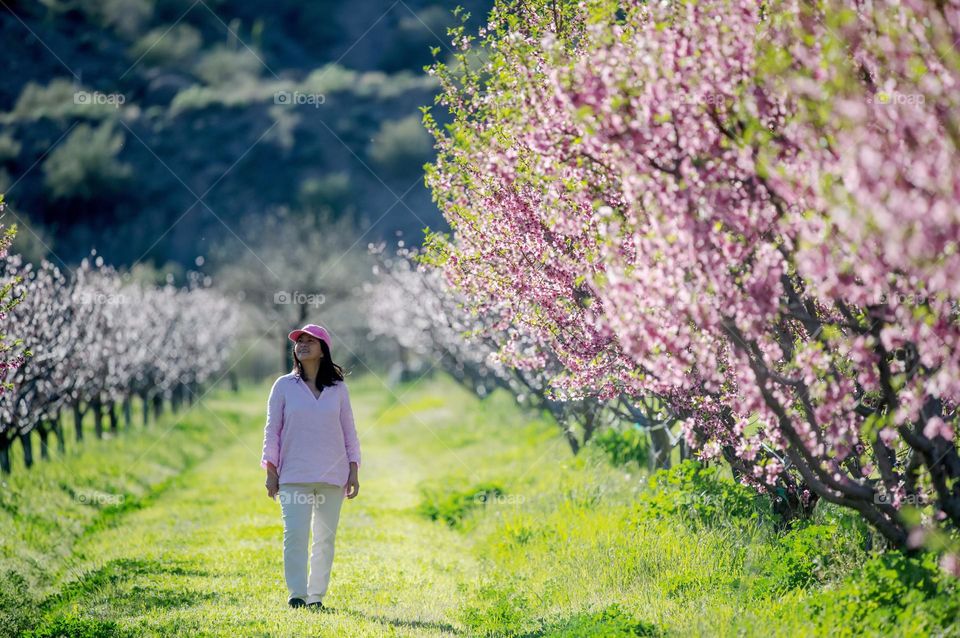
column 312, row 329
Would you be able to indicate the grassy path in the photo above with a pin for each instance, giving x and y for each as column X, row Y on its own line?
column 205, row 556
column 167, row 531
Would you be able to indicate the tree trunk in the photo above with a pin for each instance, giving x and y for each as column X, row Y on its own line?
column 146, row 408
column 98, row 418
column 589, row 424
column 58, row 428
column 114, row 421
column 5, row 455
column 44, row 432
column 78, row 421
column 571, row 437
column 157, row 406
column 27, row 442
column 659, row 448
column 127, row 412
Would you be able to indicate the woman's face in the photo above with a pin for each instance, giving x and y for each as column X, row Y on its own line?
column 308, row 348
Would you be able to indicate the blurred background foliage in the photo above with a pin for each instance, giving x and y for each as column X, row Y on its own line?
column 198, row 118
column 166, row 135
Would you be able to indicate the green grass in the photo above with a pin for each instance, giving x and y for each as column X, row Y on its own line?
column 473, row 519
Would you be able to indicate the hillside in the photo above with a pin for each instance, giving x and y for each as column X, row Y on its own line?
column 166, row 122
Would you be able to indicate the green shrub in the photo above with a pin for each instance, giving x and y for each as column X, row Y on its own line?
column 126, row 17
column 890, row 593
column 402, row 146
column 802, row 557
column 330, row 78
column 223, row 65
column 333, row 78
column 701, row 496
column 77, row 626
column 330, row 191
column 451, row 505
column 85, row 164
column 9, row 147
column 15, row 617
column 167, row 46
column 58, row 100
column 506, row 610
column 498, row 610
column 234, row 95
column 622, row 445
column 611, row 622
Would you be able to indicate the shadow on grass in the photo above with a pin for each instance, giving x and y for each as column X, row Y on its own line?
column 395, row 622
column 147, row 598
column 105, row 584
column 112, row 575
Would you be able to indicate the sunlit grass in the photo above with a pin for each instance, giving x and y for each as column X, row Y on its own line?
column 564, row 546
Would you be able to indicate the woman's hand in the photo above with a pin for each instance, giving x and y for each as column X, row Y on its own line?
column 272, row 484
column 353, row 483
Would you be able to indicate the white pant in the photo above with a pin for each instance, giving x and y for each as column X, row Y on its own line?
column 298, row 501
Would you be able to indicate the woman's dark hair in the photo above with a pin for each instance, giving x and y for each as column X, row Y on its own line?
column 329, row 372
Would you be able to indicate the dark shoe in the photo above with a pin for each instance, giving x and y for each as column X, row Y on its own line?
column 296, row 602
column 317, row 606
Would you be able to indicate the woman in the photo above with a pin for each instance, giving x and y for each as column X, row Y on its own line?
column 312, row 456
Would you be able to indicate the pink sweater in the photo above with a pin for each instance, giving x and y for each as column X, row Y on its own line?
column 309, row 439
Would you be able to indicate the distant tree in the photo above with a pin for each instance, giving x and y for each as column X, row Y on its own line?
column 100, row 339
column 428, row 319
column 294, row 269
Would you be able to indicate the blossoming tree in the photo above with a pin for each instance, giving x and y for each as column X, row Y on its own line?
column 99, row 339
column 742, row 209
